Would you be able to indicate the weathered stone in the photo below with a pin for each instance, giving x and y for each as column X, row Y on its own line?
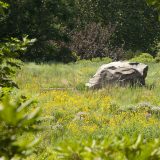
column 121, row 73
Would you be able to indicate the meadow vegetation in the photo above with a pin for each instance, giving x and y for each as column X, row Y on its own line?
column 74, row 116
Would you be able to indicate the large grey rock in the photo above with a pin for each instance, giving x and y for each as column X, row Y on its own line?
column 120, row 72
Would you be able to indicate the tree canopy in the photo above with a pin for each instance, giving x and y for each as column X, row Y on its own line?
column 51, row 22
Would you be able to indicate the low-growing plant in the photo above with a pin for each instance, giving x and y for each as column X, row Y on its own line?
column 143, row 58
column 118, row 148
column 16, row 123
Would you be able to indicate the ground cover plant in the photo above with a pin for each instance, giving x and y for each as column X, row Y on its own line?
column 73, row 117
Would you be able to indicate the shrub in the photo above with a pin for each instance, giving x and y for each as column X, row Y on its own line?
column 15, row 119
column 143, row 58
column 94, row 41
column 9, row 52
column 157, row 58
column 110, row 148
column 53, row 53
column 15, row 122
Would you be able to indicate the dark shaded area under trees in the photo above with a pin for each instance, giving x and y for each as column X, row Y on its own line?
column 57, row 24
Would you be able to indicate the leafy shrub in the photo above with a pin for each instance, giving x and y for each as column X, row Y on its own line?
column 9, row 51
column 94, row 41
column 143, row 58
column 154, row 3
column 110, row 148
column 3, row 6
column 15, row 121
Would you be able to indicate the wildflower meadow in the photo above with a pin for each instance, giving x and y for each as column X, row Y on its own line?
column 73, row 115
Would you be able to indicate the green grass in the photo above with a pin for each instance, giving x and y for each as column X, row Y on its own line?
column 38, row 78
column 108, row 110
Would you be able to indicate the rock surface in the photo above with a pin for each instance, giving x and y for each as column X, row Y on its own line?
column 121, row 73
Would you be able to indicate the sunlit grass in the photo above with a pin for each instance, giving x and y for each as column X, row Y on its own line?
column 73, row 112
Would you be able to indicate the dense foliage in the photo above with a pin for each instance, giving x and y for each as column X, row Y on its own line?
column 116, row 148
column 47, row 21
column 154, row 3
column 94, row 41
column 143, row 58
column 77, row 124
column 9, row 51
column 15, row 120
column 52, row 22
column 136, row 23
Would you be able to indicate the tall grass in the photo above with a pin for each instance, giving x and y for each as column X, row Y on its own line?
column 71, row 111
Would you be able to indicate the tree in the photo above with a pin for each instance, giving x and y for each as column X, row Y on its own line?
column 51, row 22
column 47, row 21
column 94, row 41
column 15, row 119
column 155, row 3
column 136, row 23
column 10, row 50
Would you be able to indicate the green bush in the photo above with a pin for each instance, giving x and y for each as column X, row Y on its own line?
column 17, row 119
column 143, row 58
column 112, row 148
column 3, row 6
column 9, row 52
column 157, row 58
column 15, row 122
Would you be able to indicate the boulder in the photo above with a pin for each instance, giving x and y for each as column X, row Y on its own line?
column 121, row 72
